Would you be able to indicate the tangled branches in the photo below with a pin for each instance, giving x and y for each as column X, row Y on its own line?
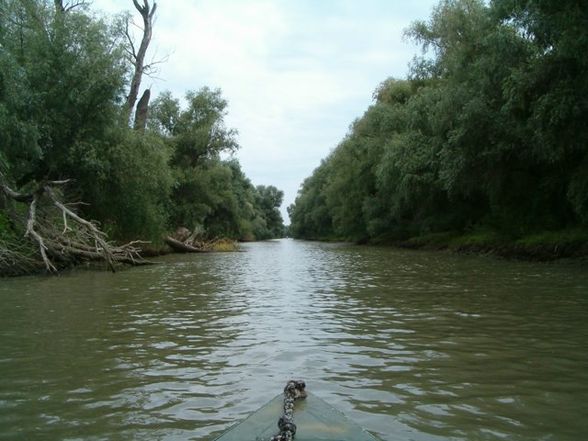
column 61, row 237
column 17, row 259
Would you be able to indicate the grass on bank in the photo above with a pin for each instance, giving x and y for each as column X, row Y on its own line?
column 555, row 238
column 225, row 246
column 543, row 245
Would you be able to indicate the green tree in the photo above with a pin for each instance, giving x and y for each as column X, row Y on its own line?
column 309, row 215
column 196, row 136
column 268, row 201
column 71, row 76
column 62, row 81
column 488, row 131
column 210, row 193
column 547, row 96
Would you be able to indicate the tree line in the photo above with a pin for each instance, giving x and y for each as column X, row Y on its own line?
column 69, row 129
column 487, row 133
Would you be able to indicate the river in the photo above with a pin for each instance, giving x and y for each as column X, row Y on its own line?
column 412, row 345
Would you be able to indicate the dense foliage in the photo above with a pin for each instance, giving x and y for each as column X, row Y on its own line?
column 64, row 75
column 488, row 132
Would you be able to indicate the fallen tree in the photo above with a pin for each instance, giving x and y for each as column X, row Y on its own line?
column 183, row 247
column 184, row 241
column 60, row 237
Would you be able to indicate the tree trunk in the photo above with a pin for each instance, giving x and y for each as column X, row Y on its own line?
column 61, row 7
column 142, row 111
column 147, row 12
column 182, row 247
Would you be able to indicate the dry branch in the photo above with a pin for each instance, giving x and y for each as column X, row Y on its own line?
column 31, row 223
column 75, row 241
column 138, row 56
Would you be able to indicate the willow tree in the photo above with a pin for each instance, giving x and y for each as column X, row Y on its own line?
column 488, row 132
column 62, row 76
column 196, row 136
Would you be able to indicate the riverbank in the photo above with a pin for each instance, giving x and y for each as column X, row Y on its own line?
column 544, row 246
column 23, row 262
column 540, row 247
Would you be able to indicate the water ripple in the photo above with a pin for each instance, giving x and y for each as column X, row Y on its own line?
column 419, row 346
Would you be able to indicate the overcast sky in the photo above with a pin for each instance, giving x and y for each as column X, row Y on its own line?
column 296, row 73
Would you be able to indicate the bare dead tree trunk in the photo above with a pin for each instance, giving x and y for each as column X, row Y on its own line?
column 184, row 241
column 66, row 7
column 138, row 56
column 142, row 111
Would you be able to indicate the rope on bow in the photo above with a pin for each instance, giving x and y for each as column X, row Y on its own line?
column 293, row 391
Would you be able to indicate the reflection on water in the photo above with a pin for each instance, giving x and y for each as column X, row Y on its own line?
column 411, row 345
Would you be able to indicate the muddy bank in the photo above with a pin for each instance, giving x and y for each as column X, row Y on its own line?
column 519, row 249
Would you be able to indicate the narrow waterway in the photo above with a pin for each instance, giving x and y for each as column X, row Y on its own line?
column 411, row 345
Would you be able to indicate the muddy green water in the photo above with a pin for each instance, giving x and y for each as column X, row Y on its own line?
column 411, row 345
